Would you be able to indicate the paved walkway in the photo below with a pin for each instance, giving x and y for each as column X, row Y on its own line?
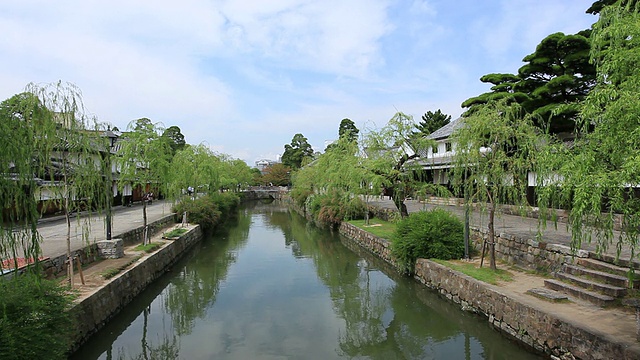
column 54, row 229
column 523, row 227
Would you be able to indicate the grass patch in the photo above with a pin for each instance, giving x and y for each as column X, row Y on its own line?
column 377, row 227
column 148, row 248
column 111, row 272
column 175, row 233
column 484, row 274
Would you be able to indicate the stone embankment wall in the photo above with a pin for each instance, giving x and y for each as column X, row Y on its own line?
column 532, row 327
column 57, row 266
column 537, row 329
column 95, row 310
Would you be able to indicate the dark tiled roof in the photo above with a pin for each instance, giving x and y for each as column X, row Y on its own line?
column 446, row 130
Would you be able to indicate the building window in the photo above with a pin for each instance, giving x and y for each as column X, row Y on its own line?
column 434, row 150
column 448, row 146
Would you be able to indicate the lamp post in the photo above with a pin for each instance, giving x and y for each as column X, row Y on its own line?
column 112, row 141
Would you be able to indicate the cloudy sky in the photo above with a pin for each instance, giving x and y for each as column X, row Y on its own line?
column 244, row 76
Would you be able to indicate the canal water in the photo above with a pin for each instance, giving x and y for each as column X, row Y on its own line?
column 269, row 285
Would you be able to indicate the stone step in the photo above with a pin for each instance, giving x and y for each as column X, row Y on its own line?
column 609, row 268
column 600, row 276
column 547, row 294
column 606, row 289
column 584, row 294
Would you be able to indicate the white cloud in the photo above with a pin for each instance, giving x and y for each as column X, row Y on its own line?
column 245, row 75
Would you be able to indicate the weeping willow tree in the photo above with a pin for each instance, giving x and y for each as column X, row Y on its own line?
column 193, row 167
column 598, row 177
column 73, row 174
column 26, row 127
column 143, row 161
column 54, row 160
column 391, row 153
column 495, row 149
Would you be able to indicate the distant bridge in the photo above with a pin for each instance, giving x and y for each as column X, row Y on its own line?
column 265, row 192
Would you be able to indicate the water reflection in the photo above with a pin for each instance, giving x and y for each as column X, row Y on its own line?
column 272, row 286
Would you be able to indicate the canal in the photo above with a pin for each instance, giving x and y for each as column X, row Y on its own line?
column 269, row 285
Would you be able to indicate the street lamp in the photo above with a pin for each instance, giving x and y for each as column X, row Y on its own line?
column 112, row 140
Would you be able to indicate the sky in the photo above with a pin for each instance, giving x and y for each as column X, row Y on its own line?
column 244, row 76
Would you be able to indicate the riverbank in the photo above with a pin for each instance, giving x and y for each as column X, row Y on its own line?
column 99, row 299
column 568, row 330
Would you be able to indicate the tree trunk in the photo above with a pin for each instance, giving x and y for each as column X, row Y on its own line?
column 68, row 218
column 398, row 201
column 492, row 237
column 145, row 239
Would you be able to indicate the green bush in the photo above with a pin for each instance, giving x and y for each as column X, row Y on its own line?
column 227, row 202
column 300, row 196
column 34, row 321
column 333, row 208
column 202, row 211
column 207, row 210
column 427, row 234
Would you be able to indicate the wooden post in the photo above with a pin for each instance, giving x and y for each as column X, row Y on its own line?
column 80, row 270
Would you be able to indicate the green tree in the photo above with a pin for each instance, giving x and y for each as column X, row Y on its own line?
column 556, row 78
column 71, row 165
column 143, row 160
column 495, row 149
column 277, row 174
column 431, row 121
column 256, row 177
column 596, row 177
column 25, row 127
column 296, row 153
column 389, row 154
column 175, row 138
column 348, row 129
column 551, row 84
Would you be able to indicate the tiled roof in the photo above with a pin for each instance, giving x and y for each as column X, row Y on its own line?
column 446, row 130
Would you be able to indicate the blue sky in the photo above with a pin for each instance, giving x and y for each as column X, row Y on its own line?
column 244, row 76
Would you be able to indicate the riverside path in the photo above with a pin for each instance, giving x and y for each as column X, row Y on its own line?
column 522, row 227
column 54, row 229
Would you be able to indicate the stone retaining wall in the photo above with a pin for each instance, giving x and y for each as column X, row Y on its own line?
column 527, row 253
column 540, row 331
column 55, row 267
column 537, row 329
column 378, row 246
column 93, row 312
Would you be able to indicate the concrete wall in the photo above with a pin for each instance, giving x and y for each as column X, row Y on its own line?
column 93, row 312
column 532, row 327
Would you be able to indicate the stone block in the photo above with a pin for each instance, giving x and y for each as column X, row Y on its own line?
column 111, row 249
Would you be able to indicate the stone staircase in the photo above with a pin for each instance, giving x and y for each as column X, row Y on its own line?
column 595, row 281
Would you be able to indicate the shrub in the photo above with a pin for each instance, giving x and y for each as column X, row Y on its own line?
column 427, row 234
column 202, row 211
column 227, row 202
column 207, row 210
column 334, row 207
column 34, row 321
column 300, row 196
